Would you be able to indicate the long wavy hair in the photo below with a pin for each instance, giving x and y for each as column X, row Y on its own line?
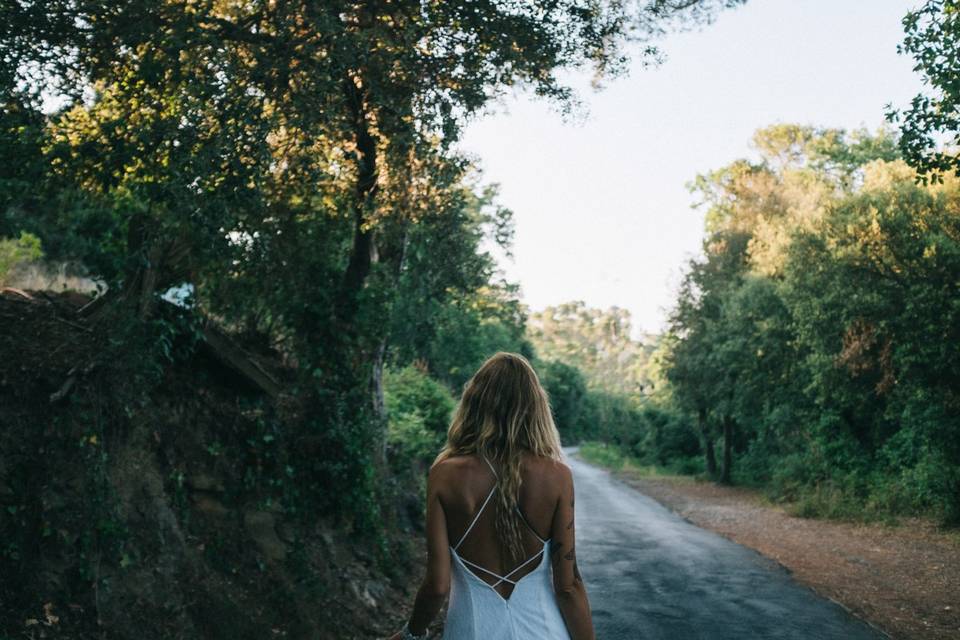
column 504, row 411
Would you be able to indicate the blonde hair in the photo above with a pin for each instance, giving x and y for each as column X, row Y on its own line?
column 504, row 411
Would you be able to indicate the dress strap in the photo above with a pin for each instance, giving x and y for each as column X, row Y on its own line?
column 475, row 518
column 529, row 526
column 482, row 507
column 499, row 577
column 506, row 578
column 492, row 470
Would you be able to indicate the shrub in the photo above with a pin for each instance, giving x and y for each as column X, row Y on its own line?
column 418, row 414
column 567, row 389
column 603, row 454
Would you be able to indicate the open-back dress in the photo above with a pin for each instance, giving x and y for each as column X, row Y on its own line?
column 477, row 611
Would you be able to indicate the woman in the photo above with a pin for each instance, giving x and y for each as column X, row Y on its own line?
column 499, row 511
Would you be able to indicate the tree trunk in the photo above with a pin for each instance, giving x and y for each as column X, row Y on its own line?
column 711, row 458
column 363, row 252
column 396, row 257
column 379, row 404
column 708, row 448
column 727, row 449
column 363, row 255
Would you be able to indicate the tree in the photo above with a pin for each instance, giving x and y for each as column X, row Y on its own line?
column 804, row 331
column 932, row 38
column 280, row 157
column 450, row 309
column 872, row 293
column 567, row 389
column 702, row 382
column 598, row 342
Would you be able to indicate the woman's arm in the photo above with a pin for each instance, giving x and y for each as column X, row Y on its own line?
column 571, row 593
column 436, row 583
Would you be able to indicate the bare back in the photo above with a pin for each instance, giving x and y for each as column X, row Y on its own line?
column 467, row 483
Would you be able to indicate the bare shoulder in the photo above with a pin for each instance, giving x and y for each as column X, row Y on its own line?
column 444, row 469
column 450, row 471
column 556, row 472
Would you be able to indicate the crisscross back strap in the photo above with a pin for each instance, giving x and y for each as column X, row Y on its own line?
column 482, row 507
column 505, row 578
column 529, row 526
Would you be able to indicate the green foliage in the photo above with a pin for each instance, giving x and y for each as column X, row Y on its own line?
column 450, row 311
column 582, row 413
column 669, row 440
column 650, row 432
column 613, row 457
column 567, row 390
column 601, row 385
column 296, row 165
column 16, row 251
column 813, row 340
column 418, row 414
column 932, row 39
column 603, row 454
column 410, row 391
column 598, row 342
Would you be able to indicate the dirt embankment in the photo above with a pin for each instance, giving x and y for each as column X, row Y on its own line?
column 903, row 579
column 163, row 514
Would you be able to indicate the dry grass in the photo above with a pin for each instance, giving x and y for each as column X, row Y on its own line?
column 47, row 276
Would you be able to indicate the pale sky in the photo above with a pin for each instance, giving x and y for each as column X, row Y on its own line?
column 601, row 209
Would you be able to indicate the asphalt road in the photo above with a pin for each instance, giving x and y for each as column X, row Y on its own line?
column 652, row 575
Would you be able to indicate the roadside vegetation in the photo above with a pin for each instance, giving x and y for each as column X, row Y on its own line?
column 613, row 458
column 811, row 352
column 278, row 271
column 812, row 349
column 275, row 273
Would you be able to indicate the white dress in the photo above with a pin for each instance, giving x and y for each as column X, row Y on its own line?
column 477, row 611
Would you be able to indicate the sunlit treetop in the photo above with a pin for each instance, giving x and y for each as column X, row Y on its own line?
column 434, row 63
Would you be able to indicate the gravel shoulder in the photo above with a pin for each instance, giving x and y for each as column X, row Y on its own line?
column 904, row 579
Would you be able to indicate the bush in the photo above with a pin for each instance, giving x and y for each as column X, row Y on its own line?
column 687, row 466
column 602, row 454
column 418, row 414
column 567, row 389
column 615, row 458
column 668, row 439
column 613, row 418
